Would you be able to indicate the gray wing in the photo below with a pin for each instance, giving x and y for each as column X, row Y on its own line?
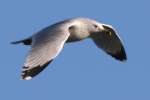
column 45, row 47
column 109, row 41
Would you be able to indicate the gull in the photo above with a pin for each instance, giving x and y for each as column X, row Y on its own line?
column 48, row 42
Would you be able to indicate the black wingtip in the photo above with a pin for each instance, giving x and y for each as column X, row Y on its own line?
column 27, row 41
column 121, row 55
column 16, row 42
column 28, row 74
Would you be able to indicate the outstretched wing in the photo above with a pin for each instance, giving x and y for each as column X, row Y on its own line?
column 109, row 41
column 46, row 45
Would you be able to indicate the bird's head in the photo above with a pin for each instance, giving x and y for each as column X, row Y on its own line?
column 102, row 28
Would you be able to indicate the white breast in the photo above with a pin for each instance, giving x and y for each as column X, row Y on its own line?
column 78, row 31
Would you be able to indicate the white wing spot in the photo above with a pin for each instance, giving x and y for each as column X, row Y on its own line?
column 28, row 78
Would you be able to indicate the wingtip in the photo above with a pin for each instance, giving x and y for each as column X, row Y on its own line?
column 28, row 74
column 16, row 42
column 26, row 78
column 13, row 42
column 121, row 55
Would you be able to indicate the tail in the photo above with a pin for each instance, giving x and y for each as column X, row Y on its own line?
column 27, row 41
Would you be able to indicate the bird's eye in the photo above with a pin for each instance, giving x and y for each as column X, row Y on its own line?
column 96, row 26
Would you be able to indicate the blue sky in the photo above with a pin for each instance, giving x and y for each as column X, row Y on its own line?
column 81, row 71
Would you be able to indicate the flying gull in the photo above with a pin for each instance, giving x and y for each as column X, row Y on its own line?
column 47, row 43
